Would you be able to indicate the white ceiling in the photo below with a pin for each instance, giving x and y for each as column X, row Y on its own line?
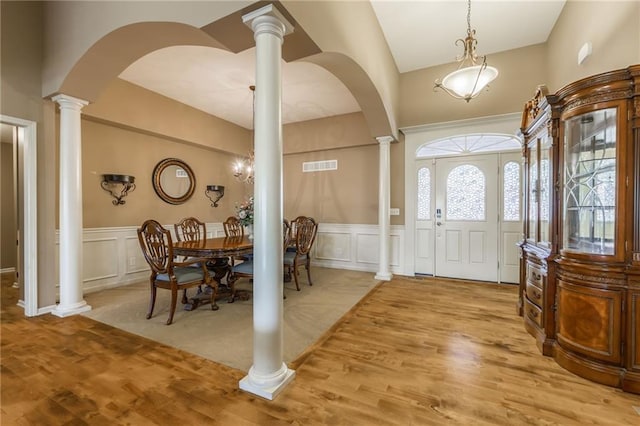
column 420, row 33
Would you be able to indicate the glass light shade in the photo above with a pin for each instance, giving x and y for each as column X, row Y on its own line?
column 468, row 82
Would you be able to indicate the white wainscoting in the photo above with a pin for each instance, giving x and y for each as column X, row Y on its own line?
column 355, row 247
column 112, row 256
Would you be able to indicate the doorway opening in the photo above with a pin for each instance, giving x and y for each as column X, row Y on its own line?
column 26, row 201
column 468, row 215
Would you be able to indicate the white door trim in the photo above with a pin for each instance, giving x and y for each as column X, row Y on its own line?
column 28, row 164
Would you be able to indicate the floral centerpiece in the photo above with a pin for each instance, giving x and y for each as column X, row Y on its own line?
column 244, row 212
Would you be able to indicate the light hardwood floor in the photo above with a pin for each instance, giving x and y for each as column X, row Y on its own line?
column 412, row 352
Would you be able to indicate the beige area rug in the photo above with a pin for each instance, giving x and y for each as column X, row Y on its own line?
column 226, row 335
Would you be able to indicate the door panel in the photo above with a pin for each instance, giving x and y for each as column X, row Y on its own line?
column 477, row 247
column 466, row 236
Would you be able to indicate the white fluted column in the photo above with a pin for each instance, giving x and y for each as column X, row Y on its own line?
column 269, row 374
column 71, row 297
column 384, row 205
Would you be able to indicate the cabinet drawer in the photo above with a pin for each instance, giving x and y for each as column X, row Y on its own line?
column 534, row 275
column 533, row 312
column 534, row 294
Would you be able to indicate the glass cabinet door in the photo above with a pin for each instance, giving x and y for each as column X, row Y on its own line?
column 533, row 192
column 590, row 182
column 545, row 192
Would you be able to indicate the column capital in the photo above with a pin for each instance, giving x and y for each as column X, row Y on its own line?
column 385, row 139
column 66, row 101
column 268, row 19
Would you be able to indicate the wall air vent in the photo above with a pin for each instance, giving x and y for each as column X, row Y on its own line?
column 319, row 166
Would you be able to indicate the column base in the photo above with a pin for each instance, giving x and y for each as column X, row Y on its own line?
column 267, row 390
column 384, row 276
column 66, row 311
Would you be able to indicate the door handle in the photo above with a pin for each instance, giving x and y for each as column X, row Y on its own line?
column 439, row 223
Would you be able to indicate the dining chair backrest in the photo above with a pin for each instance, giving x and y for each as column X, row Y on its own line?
column 286, row 233
column 190, row 229
column 233, row 227
column 156, row 245
column 293, row 230
column 306, row 229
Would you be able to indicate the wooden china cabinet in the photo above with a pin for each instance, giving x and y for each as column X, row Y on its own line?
column 580, row 267
column 539, row 248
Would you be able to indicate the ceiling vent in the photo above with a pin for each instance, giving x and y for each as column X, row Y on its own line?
column 319, row 166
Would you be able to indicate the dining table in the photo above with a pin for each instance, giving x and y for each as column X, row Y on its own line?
column 217, row 251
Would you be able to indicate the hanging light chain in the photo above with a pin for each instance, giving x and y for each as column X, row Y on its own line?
column 469, row 17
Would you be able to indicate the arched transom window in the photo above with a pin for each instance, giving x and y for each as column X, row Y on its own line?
column 468, row 144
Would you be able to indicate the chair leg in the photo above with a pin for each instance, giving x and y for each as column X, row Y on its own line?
column 295, row 276
column 307, row 267
column 287, row 274
column 152, row 300
column 231, row 281
column 214, row 293
column 184, row 296
column 172, row 308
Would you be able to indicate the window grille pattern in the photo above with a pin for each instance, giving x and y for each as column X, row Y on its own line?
column 511, row 192
column 544, row 190
column 424, row 194
column 590, row 182
column 466, row 194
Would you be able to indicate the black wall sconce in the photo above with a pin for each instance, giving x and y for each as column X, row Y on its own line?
column 118, row 186
column 216, row 191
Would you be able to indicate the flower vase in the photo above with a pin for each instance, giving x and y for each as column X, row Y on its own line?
column 250, row 231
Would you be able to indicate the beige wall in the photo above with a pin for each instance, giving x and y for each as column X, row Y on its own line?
column 126, row 104
column 21, row 52
column 110, row 149
column 346, row 195
column 351, row 193
column 340, row 131
column 521, row 71
column 134, row 141
column 8, row 234
column 612, row 27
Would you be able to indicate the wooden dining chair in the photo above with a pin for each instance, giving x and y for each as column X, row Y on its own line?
column 292, row 233
column 245, row 269
column 190, row 229
column 233, row 227
column 157, row 248
column 306, row 229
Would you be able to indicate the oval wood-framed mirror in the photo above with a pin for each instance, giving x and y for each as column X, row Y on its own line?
column 173, row 180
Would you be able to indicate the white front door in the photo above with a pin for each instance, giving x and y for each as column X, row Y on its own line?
column 466, row 218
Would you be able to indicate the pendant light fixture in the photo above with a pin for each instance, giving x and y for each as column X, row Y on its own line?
column 470, row 78
column 243, row 169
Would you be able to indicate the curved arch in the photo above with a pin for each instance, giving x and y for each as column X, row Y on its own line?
column 360, row 85
column 468, row 144
column 114, row 52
